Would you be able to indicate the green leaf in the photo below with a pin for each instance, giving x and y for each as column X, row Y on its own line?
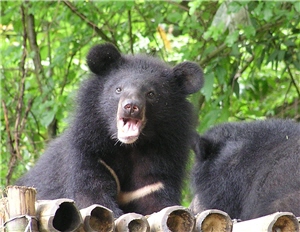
column 220, row 73
column 249, row 31
column 236, row 88
column 193, row 6
column 297, row 6
column 296, row 64
column 209, row 119
column 208, row 85
column 47, row 117
column 267, row 13
column 281, row 55
column 272, row 56
column 234, row 7
column 224, row 114
column 232, row 38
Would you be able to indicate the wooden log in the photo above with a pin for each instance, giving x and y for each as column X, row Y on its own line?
column 213, row 220
column 132, row 222
column 280, row 221
column 58, row 215
column 97, row 218
column 20, row 212
column 174, row 218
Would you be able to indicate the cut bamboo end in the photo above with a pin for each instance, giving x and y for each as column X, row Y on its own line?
column 280, row 221
column 213, row 220
column 174, row 218
column 58, row 215
column 132, row 222
column 20, row 209
column 21, row 200
column 97, row 218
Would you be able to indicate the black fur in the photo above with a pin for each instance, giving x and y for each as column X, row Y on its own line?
column 70, row 166
column 249, row 169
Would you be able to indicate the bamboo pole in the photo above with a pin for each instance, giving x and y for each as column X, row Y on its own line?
column 58, row 215
column 20, row 209
column 3, row 212
column 280, row 221
column 132, row 222
column 97, row 218
column 213, row 220
column 174, row 218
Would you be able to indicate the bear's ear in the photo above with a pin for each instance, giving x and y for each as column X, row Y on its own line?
column 189, row 76
column 101, row 58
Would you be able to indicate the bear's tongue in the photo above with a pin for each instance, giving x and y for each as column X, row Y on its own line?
column 131, row 127
column 128, row 129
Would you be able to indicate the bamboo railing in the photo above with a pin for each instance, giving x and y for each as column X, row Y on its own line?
column 20, row 212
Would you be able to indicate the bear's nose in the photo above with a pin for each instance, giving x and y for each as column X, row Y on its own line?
column 131, row 109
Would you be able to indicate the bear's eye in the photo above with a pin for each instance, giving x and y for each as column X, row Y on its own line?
column 150, row 94
column 118, row 90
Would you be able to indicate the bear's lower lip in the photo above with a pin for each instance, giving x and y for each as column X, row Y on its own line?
column 128, row 140
column 129, row 129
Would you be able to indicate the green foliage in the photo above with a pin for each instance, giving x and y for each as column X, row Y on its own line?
column 249, row 51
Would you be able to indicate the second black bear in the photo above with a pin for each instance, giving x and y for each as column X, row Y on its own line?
column 248, row 169
column 129, row 141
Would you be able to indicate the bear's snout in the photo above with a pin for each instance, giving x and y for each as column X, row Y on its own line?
column 130, row 119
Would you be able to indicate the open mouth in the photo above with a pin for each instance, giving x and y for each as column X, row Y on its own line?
column 129, row 129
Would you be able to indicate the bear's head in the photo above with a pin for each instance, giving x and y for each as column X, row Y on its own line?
column 141, row 94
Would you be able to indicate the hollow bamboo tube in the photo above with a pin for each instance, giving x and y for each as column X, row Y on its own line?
column 132, row 222
column 213, row 220
column 20, row 206
column 174, row 218
column 58, row 215
column 97, row 218
column 280, row 221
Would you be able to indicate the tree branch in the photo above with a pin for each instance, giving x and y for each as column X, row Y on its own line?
column 89, row 23
column 17, row 132
column 212, row 55
column 7, row 128
column 293, row 80
column 35, row 48
column 14, row 141
column 130, row 31
column 11, row 148
column 240, row 71
column 24, row 119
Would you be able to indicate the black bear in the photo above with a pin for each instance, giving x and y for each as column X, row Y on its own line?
column 248, row 169
column 130, row 137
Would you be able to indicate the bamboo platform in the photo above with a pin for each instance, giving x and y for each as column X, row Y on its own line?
column 20, row 212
